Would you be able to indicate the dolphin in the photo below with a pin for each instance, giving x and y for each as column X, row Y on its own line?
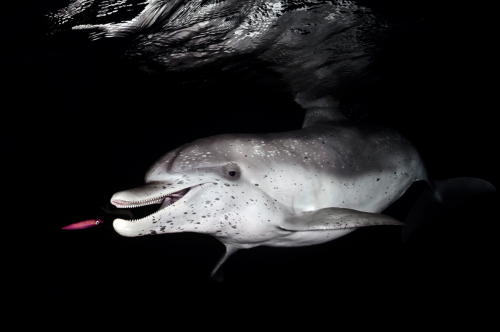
column 286, row 189
column 316, row 47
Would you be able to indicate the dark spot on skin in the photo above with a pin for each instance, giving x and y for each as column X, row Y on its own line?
column 169, row 221
column 232, row 197
column 257, row 184
column 227, row 184
column 152, row 232
column 378, row 179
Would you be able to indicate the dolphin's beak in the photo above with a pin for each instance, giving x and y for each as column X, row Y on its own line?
column 145, row 195
column 125, row 228
column 154, row 193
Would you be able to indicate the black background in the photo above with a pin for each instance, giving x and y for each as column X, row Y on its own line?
column 79, row 124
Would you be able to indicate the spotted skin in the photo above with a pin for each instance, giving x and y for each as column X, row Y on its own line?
column 249, row 190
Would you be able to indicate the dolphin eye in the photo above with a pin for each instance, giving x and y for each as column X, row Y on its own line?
column 97, row 222
column 231, row 172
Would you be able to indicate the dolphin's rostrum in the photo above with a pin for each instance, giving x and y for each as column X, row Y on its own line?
column 295, row 188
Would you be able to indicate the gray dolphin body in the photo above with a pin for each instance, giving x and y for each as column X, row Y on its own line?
column 295, row 188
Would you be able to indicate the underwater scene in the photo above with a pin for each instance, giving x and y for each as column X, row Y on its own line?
column 227, row 151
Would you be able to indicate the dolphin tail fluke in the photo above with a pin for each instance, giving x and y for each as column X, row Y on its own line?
column 446, row 194
column 217, row 275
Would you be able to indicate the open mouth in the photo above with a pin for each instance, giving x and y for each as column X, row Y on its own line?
column 146, row 208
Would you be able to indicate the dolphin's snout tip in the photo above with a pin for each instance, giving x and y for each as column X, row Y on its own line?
column 124, row 227
column 119, row 203
column 117, row 200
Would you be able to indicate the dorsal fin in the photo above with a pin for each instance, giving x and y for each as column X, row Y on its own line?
column 320, row 110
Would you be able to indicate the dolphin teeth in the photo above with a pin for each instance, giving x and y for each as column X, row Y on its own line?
column 156, row 200
column 166, row 201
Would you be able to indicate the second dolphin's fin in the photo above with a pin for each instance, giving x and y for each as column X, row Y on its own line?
column 336, row 218
column 447, row 193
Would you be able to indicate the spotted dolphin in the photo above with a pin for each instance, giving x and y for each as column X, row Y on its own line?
column 286, row 189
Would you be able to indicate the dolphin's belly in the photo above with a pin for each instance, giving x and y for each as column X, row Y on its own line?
column 292, row 239
column 307, row 238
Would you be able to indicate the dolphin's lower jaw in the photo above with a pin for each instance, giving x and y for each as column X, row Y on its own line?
column 125, row 227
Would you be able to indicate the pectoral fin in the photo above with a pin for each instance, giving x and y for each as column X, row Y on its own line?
column 336, row 218
column 217, row 275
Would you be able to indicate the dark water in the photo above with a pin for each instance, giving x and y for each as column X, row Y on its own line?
column 80, row 124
